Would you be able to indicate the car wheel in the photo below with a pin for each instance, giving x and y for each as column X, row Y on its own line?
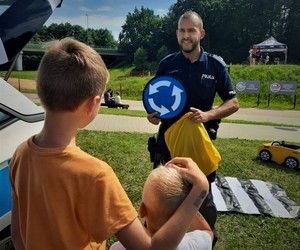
column 265, row 155
column 291, row 162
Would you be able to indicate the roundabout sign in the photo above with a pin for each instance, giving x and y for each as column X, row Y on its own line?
column 164, row 95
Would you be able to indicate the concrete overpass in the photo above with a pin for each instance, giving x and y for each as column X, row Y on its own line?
column 30, row 47
column 110, row 56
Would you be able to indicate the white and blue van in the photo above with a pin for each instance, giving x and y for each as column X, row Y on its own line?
column 20, row 118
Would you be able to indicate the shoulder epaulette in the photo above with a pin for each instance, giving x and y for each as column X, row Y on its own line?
column 217, row 58
column 168, row 56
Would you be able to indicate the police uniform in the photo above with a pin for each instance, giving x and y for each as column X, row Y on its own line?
column 201, row 80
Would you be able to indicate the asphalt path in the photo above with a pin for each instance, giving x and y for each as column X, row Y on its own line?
column 281, row 132
column 286, row 130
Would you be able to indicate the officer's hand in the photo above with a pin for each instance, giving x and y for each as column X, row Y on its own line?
column 198, row 115
column 152, row 119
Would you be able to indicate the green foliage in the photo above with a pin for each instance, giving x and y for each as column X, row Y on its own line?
column 140, row 113
column 140, row 31
column 140, row 59
column 232, row 27
column 265, row 74
column 31, row 62
column 101, row 38
column 161, row 53
column 31, row 75
column 93, row 37
column 125, row 112
column 236, row 231
column 131, row 87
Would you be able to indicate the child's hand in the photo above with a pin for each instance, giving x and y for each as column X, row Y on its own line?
column 190, row 170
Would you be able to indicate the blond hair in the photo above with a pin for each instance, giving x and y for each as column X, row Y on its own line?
column 69, row 73
column 170, row 188
column 192, row 15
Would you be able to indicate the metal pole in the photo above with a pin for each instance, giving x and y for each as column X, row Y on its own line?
column 87, row 21
column 11, row 67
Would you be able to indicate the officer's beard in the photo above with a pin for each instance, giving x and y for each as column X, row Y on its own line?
column 189, row 50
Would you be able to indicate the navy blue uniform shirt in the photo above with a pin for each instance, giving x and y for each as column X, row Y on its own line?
column 201, row 80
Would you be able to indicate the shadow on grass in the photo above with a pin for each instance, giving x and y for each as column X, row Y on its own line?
column 273, row 165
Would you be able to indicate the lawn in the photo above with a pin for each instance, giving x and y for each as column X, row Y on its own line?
column 131, row 87
column 127, row 154
column 138, row 113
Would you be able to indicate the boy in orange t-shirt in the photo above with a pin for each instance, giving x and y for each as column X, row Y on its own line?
column 63, row 198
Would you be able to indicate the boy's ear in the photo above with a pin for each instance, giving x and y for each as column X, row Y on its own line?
column 143, row 210
column 92, row 104
column 97, row 100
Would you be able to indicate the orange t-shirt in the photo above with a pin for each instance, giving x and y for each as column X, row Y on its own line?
column 67, row 199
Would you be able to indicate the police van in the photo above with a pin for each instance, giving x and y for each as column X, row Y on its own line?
column 20, row 118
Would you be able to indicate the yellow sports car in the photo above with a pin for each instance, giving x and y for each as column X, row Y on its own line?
column 280, row 153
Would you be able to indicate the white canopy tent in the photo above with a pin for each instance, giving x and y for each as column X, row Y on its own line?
column 272, row 45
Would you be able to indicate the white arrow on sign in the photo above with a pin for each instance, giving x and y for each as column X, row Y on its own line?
column 154, row 88
column 177, row 93
column 162, row 110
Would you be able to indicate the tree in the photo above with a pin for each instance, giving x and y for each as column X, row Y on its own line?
column 102, row 38
column 162, row 52
column 139, row 31
column 93, row 37
column 291, row 31
column 168, row 32
column 210, row 11
column 140, row 59
column 232, row 27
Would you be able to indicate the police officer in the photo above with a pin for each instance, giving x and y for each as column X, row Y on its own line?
column 202, row 75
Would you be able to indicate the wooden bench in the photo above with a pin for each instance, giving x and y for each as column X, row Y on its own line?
column 115, row 105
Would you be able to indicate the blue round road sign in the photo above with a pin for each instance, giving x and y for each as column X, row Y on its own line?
column 164, row 95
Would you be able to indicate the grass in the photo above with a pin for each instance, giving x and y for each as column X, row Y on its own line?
column 31, row 75
column 139, row 113
column 265, row 74
column 127, row 154
column 131, row 87
column 126, row 112
column 236, row 231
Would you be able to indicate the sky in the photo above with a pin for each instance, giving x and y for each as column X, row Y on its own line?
column 104, row 14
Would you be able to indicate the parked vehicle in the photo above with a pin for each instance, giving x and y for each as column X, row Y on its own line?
column 280, row 153
column 20, row 118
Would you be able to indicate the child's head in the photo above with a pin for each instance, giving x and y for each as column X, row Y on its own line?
column 164, row 190
column 70, row 72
